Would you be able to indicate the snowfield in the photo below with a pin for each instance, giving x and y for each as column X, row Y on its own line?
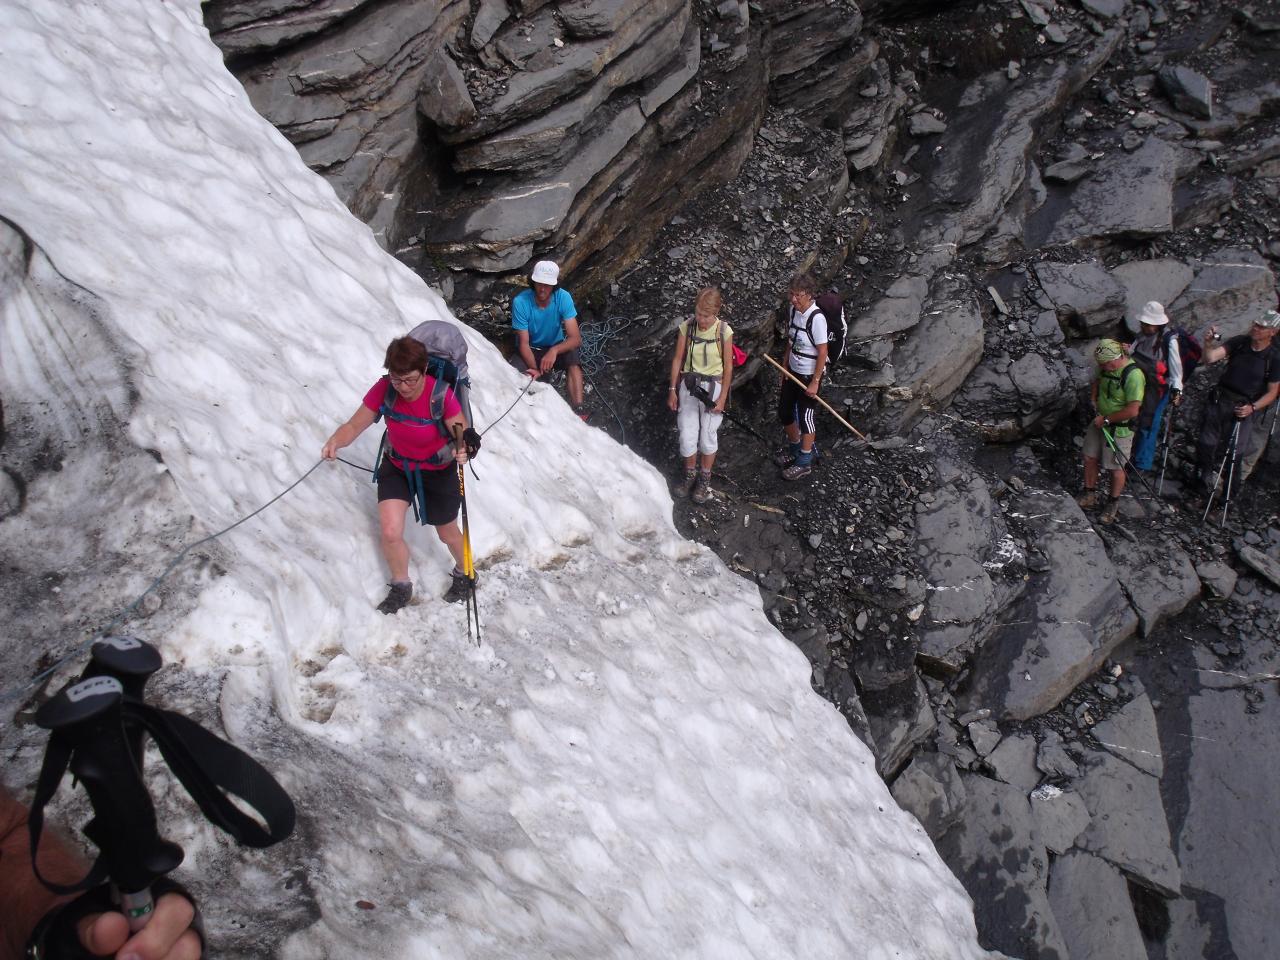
column 632, row 762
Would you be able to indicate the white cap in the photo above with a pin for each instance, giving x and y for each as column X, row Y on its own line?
column 1270, row 320
column 1152, row 314
column 545, row 271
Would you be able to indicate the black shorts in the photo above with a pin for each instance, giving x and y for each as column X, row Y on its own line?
column 564, row 360
column 440, row 486
column 794, row 404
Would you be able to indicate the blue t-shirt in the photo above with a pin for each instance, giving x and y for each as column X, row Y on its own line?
column 545, row 324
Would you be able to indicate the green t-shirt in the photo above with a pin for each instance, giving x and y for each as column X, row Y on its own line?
column 1116, row 390
column 702, row 355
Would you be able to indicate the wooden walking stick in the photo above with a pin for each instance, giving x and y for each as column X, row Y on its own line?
column 829, row 409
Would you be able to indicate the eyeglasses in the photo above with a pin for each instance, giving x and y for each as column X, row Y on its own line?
column 407, row 381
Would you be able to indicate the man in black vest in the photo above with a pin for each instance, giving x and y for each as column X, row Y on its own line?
column 1250, row 383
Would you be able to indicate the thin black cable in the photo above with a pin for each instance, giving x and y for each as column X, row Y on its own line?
column 510, row 408
column 595, row 387
column 105, row 631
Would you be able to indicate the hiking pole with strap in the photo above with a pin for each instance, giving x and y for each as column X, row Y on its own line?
column 468, row 562
column 701, row 393
column 1125, row 464
column 1226, row 493
column 1164, row 459
column 829, row 408
column 96, row 726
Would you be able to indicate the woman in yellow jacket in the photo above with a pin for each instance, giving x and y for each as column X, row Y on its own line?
column 701, row 370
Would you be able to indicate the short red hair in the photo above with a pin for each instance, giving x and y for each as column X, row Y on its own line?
column 406, row 355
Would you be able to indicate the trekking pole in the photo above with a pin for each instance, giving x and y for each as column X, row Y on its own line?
column 829, row 408
column 1164, row 459
column 1233, row 453
column 1126, row 464
column 468, row 563
column 1217, row 480
column 701, row 394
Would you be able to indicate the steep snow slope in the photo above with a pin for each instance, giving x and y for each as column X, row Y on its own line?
column 632, row 764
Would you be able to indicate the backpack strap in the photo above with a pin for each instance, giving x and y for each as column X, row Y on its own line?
column 813, row 312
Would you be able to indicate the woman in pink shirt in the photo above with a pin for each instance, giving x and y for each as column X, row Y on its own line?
column 424, row 423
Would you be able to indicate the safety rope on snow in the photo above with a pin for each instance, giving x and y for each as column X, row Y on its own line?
column 31, row 684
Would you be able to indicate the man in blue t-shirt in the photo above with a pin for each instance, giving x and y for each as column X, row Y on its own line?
column 546, row 325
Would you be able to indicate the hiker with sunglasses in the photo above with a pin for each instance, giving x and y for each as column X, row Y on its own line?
column 701, row 371
column 416, row 464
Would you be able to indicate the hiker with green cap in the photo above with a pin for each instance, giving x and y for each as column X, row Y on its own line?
column 1117, row 394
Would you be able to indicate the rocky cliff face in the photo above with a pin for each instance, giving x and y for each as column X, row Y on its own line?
column 475, row 137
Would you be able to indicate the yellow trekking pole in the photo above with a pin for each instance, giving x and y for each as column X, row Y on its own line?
column 468, row 562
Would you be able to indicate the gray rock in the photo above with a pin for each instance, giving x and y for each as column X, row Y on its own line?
column 1130, row 196
column 1187, row 90
column 490, row 15
column 1104, row 9
column 1056, row 33
column 1067, row 171
column 996, row 853
column 1035, row 13
column 11, row 498
column 1128, row 826
column 925, row 124
column 1091, row 904
column 1060, row 815
column 1146, row 280
column 554, row 134
column 954, row 535
column 1202, row 204
column 931, row 790
column 1159, row 579
column 984, row 735
column 1084, row 295
column 870, row 131
column 1052, row 758
column 1014, row 400
column 1046, row 326
column 443, row 97
column 1261, row 563
column 1131, row 734
column 1217, row 577
column 898, row 732
column 986, row 161
column 1068, row 621
column 931, row 363
column 898, row 310
column 1231, row 287
column 1014, row 761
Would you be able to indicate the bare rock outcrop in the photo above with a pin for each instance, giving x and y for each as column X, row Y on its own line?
column 475, row 135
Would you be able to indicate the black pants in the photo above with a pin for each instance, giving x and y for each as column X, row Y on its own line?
column 1214, row 444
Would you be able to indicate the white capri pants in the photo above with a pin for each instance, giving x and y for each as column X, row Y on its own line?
column 699, row 427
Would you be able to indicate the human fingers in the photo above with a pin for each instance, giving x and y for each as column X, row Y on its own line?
column 168, row 935
column 103, row 933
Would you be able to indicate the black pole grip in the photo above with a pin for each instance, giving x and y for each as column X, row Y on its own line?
column 87, row 716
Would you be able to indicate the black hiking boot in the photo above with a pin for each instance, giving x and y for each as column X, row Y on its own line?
column 683, row 486
column 460, row 586
column 398, row 596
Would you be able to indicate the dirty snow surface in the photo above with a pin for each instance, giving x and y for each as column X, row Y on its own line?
column 630, row 764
